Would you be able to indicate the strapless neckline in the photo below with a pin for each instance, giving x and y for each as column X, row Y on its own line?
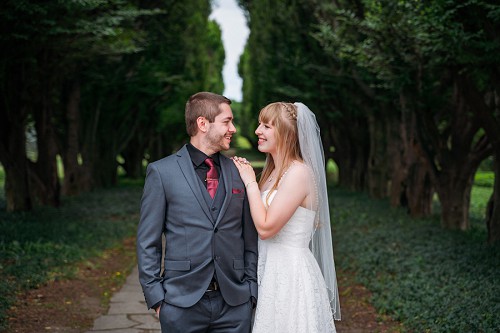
column 263, row 196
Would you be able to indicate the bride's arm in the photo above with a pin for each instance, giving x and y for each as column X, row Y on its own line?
column 293, row 190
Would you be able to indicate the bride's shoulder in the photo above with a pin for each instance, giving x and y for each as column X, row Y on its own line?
column 298, row 171
column 299, row 166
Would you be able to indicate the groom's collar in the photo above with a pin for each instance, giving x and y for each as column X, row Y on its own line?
column 198, row 157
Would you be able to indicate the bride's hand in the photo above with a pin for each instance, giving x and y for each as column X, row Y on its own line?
column 247, row 173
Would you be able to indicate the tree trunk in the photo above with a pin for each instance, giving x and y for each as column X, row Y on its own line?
column 377, row 181
column 156, row 148
column 17, row 192
column 133, row 155
column 13, row 115
column 46, row 186
column 487, row 110
column 397, row 168
column 493, row 208
column 104, row 170
column 454, row 186
column 45, row 94
column 453, row 149
column 411, row 184
column 352, row 171
column 15, row 164
column 419, row 191
column 454, row 194
column 73, row 171
column 351, row 153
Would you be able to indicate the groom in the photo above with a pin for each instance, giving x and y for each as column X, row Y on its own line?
column 196, row 198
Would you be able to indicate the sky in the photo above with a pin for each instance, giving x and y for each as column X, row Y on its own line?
column 234, row 36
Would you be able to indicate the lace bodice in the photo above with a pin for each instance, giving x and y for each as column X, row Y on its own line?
column 298, row 230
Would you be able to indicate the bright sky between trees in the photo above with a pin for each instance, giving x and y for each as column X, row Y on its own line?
column 234, row 35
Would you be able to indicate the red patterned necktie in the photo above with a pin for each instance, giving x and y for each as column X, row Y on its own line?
column 212, row 177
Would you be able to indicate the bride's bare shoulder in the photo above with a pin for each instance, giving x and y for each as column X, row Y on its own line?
column 297, row 172
column 300, row 166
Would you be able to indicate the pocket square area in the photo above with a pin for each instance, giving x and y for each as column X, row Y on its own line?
column 237, row 190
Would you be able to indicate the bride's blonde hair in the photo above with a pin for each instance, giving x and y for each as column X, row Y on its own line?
column 283, row 116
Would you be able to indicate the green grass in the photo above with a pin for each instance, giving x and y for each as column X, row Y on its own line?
column 479, row 199
column 430, row 279
column 484, row 178
column 46, row 243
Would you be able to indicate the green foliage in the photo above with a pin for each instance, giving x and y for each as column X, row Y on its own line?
column 430, row 279
column 147, row 91
column 71, row 30
column 484, row 178
column 487, row 164
column 106, row 77
column 45, row 244
column 417, row 61
column 281, row 61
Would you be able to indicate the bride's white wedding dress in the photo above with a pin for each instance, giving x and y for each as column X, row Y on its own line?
column 292, row 291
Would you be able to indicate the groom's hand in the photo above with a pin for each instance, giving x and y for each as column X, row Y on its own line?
column 157, row 307
column 157, row 310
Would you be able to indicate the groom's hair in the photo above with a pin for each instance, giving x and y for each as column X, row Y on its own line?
column 203, row 104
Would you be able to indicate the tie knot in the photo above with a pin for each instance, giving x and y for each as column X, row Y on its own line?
column 210, row 162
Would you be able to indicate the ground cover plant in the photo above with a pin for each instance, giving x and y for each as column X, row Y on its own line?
column 46, row 243
column 428, row 278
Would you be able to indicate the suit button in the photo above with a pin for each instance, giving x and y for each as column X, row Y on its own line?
column 215, row 230
column 214, row 209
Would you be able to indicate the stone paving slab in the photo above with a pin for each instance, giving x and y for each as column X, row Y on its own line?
column 108, row 322
column 128, row 296
column 128, row 308
column 127, row 311
column 147, row 322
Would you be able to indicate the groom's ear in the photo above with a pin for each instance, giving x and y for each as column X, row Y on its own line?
column 202, row 123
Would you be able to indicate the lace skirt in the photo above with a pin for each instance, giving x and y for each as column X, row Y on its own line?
column 292, row 292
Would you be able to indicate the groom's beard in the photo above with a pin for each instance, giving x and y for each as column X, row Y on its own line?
column 217, row 141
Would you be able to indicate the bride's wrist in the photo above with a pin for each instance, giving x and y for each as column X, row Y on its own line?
column 250, row 183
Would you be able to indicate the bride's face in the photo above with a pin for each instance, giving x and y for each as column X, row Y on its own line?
column 267, row 139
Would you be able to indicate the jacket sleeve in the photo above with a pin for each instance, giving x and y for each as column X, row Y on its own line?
column 149, row 237
column 251, row 248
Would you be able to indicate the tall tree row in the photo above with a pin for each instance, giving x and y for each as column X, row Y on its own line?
column 407, row 92
column 96, row 80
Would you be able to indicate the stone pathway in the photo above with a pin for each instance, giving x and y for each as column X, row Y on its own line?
column 127, row 311
column 128, row 314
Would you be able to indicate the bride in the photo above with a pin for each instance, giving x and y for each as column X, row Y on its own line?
column 289, row 207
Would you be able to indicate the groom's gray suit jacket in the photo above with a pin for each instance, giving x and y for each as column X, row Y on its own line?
column 198, row 242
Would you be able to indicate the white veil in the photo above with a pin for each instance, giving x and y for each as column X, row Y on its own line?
column 311, row 149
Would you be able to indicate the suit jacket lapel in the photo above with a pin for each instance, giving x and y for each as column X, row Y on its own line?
column 228, row 184
column 186, row 166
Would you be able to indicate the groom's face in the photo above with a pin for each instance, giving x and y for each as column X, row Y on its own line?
column 221, row 130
